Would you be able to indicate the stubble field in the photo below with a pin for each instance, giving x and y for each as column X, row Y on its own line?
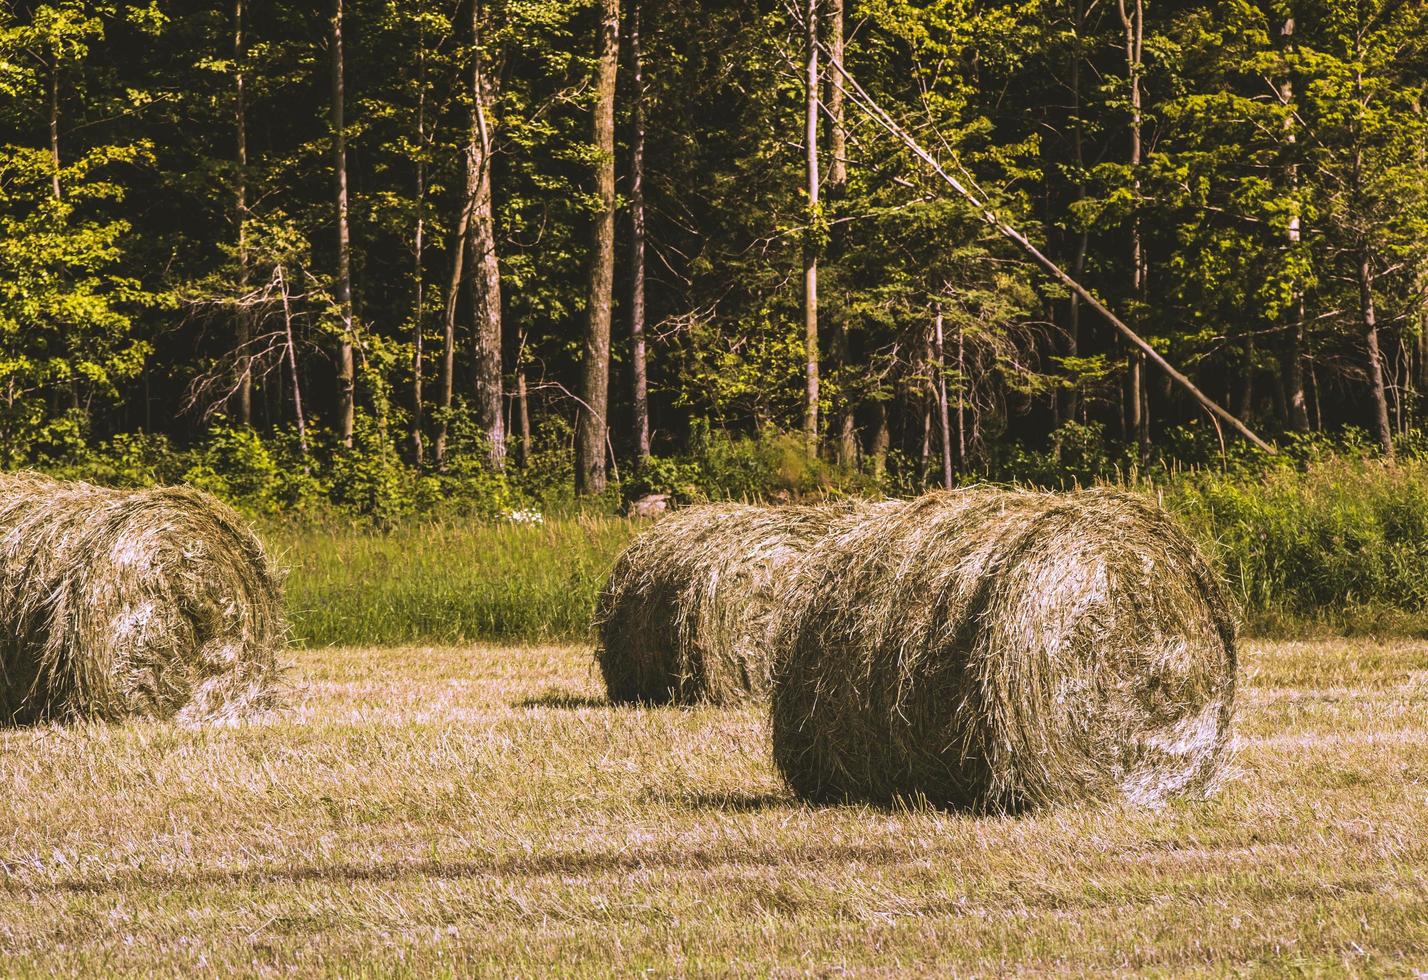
column 457, row 811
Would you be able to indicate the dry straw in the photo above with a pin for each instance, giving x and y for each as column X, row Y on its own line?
column 685, row 615
column 153, row 603
column 1001, row 650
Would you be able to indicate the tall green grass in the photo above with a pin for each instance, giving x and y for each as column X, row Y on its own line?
column 1339, row 545
column 447, row 582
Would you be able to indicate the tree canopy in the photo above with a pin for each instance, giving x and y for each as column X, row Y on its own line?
column 1245, row 182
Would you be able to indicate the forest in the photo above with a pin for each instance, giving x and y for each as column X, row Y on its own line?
column 478, row 246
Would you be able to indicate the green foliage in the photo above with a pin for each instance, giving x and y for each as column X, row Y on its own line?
column 1341, row 534
column 129, row 460
column 721, row 466
column 259, row 477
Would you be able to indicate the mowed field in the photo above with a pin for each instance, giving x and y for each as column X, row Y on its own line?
column 453, row 811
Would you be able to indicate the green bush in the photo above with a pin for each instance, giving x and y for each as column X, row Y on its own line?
column 724, row 466
column 259, row 477
column 136, row 459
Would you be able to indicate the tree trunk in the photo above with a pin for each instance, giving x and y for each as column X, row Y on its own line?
column 1071, row 408
column 810, row 244
column 845, row 445
column 346, row 369
column 1420, row 341
column 1375, row 360
column 243, row 321
column 292, row 363
column 878, row 447
column 925, row 398
column 523, row 416
column 639, row 382
column 54, row 128
column 1244, row 385
column 837, row 125
column 453, row 299
column 1420, row 346
column 593, row 425
column 1296, row 404
column 1133, row 20
column 961, row 399
column 1137, row 405
column 418, row 265
column 485, row 269
column 1297, row 410
column 944, row 423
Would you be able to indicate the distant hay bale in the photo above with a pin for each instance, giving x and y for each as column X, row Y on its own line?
column 153, row 603
column 1001, row 651
column 685, row 614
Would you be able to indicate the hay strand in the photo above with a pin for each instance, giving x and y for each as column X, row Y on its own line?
column 152, row 603
column 1001, row 650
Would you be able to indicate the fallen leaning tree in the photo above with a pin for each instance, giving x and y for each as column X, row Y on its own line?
column 999, row 651
column 113, row 604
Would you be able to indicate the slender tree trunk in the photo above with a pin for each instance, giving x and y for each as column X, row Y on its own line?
column 593, row 425
column 878, row 447
column 1133, row 20
column 837, row 125
column 54, row 129
column 346, row 368
column 810, row 245
column 447, row 393
column 1244, row 385
column 926, row 400
column 1297, row 410
column 1318, row 406
column 1367, row 314
column 523, row 410
column 485, row 268
column 292, row 362
column 1420, row 340
column 845, row 443
column 924, row 457
column 55, row 176
column 1072, row 406
column 1135, row 402
column 418, row 266
column 944, row 423
column 243, row 325
column 834, row 319
column 1375, row 360
column 639, row 382
column 1296, row 404
column 961, row 399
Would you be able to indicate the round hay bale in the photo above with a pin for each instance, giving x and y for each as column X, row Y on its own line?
column 999, row 651
column 152, row 603
column 685, row 614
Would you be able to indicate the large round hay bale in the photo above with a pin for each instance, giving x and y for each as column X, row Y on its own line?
column 1001, row 650
column 685, row 614
column 153, row 603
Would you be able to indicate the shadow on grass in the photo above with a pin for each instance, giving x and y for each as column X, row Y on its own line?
column 565, row 701
column 582, row 863
column 729, row 802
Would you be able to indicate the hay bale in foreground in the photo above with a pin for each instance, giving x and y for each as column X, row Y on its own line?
column 154, row 603
column 1000, row 651
column 685, row 614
